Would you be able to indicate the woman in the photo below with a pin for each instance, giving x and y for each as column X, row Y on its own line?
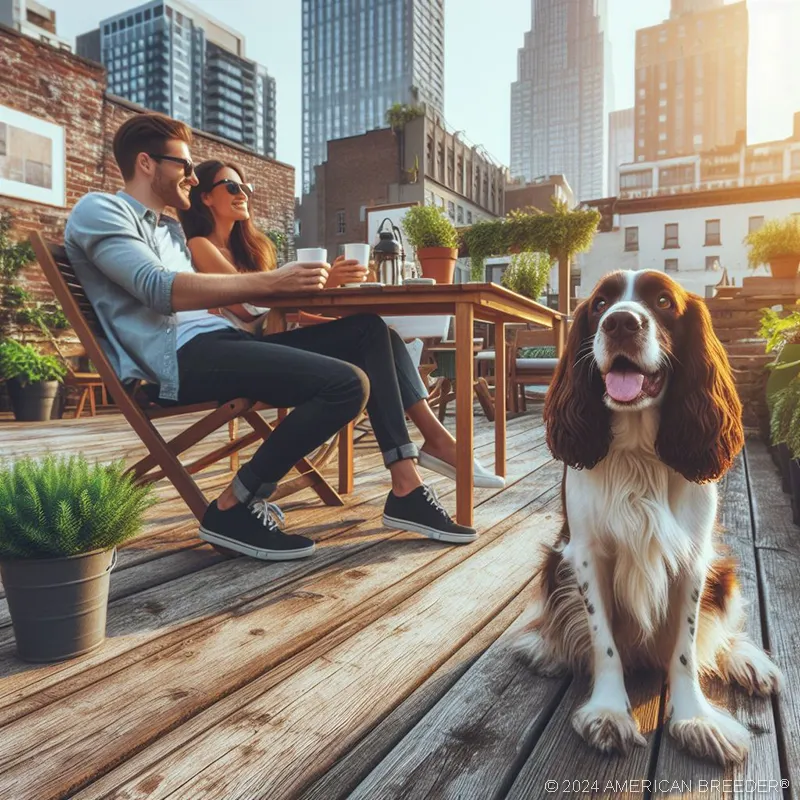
column 222, row 239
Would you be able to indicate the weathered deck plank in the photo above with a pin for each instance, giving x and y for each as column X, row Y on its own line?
column 314, row 715
column 778, row 555
column 378, row 669
column 763, row 763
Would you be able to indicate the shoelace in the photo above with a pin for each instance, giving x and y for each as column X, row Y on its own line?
column 267, row 512
column 433, row 499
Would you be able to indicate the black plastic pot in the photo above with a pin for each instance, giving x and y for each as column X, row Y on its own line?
column 58, row 606
column 34, row 402
column 784, row 459
column 794, row 480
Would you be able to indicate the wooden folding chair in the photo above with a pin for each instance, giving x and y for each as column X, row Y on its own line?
column 162, row 459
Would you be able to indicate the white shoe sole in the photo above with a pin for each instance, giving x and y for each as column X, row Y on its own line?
column 255, row 552
column 431, row 533
column 479, row 480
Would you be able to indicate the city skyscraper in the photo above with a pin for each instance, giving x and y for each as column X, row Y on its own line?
column 562, row 96
column 621, row 133
column 168, row 56
column 691, row 80
column 359, row 58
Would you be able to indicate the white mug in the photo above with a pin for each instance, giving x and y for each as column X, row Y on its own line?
column 306, row 255
column 357, row 252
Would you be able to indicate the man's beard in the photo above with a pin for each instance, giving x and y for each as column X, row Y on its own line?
column 169, row 193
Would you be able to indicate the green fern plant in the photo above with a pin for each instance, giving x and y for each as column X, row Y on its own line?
column 64, row 506
column 26, row 364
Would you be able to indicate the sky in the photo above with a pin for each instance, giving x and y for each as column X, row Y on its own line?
column 481, row 59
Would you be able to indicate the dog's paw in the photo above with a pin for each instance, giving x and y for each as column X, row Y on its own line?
column 714, row 734
column 530, row 647
column 751, row 668
column 609, row 730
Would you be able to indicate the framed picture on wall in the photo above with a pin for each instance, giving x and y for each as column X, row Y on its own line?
column 32, row 158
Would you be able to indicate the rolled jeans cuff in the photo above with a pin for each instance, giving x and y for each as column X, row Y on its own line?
column 247, row 486
column 399, row 453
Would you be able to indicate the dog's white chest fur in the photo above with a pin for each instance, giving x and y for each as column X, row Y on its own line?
column 643, row 519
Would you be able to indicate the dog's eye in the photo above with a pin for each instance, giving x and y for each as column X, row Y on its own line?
column 664, row 301
column 600, row 305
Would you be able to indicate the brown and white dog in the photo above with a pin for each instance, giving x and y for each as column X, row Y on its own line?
column 644, row 414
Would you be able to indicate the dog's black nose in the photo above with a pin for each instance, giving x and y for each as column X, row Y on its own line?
column 621, row 324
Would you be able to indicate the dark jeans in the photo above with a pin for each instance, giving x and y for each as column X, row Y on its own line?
column 326, row 373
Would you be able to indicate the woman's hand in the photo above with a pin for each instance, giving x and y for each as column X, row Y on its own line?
column 298, row 277
column 346, row 271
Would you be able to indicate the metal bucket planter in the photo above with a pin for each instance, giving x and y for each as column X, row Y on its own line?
column 58, row 606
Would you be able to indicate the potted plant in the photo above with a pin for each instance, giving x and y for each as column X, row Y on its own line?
column 435, row 240
column 785, row 434
column 527, row 273
column 32, row 379
column 776, row 243
column 782, row 334
column 61, row 520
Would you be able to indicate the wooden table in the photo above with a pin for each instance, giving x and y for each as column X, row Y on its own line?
column 486, row 302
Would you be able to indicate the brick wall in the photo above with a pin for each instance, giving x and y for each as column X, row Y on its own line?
column 70, row 91
column 358, row 172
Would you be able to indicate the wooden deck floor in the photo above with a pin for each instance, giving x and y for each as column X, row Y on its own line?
column 376, row 669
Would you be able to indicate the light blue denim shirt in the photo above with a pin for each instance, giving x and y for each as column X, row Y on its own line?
column 110, row 241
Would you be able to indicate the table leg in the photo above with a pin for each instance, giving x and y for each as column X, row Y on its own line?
column 500, row 399
column 464, row 381
column 276, row 320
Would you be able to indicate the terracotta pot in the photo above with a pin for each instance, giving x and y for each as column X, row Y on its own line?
column 438, row 263
column 784, row 266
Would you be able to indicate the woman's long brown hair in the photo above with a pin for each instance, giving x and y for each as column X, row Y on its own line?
column 252, row 251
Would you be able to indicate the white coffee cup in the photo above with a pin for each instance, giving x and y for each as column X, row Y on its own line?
column 309, row 255
column 357, row 252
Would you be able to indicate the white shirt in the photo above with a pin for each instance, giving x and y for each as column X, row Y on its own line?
column 190, row 323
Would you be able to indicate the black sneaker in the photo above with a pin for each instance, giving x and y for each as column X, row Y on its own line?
column 421, row 512
column 252, row 530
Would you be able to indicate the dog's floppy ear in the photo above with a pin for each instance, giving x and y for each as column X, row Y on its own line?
column 577, row 420
column 701, row 417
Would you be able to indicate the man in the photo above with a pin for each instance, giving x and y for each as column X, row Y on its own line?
column 135, row 268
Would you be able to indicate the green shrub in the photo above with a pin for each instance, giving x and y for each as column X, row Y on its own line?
column 65, row 506
column 785, row 417
column 25, row 363
column 527, row 274
column 775, row 238
column 428, row 226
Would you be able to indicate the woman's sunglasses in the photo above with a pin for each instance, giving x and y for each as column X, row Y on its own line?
column 235, row 188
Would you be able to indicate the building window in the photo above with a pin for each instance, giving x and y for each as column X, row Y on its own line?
column 671, row 235
column 712, row 232
column 451, row 209
column 469, row 217
column 754, row 224
column 631, row 239
column 670, row 265
column 460, row 215
column 712, row 264
column 340, row 226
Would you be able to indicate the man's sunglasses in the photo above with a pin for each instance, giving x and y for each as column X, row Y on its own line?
column 188, row 166
column 235, row 188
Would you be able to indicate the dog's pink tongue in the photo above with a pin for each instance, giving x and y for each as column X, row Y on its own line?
column 624, row 386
